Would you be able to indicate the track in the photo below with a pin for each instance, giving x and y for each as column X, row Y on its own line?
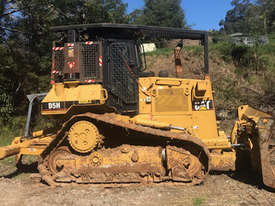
column 176, row 157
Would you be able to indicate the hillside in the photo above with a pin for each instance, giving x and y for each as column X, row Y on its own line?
column 233, row 84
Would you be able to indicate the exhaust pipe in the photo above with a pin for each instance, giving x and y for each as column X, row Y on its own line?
column 177, row 57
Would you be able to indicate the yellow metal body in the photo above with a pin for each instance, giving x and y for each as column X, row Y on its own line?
column 185, row 103
column 63, row 96
column 21, row 146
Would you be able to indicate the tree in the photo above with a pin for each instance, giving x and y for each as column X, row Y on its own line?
column 235, row 19
column 134, row 16
column 250, row 17
column 162, row 13
column 5, row 19
column 90, row 11
column 267, row 8
column 110, row 11
column 2, row 10
column 26, row 41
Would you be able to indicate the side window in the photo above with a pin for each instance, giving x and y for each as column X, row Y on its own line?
column 123, row 71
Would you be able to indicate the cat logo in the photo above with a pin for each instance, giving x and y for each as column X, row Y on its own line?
column 203, row 105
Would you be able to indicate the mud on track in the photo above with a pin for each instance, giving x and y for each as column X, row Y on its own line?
column 223, row 189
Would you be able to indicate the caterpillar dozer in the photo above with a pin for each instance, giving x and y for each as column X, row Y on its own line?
column 119, row 124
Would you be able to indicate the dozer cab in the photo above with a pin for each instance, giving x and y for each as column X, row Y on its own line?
column 118, row 125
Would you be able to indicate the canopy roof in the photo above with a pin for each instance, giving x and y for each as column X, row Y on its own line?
column 133, row 31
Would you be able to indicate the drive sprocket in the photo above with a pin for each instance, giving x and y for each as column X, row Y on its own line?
column 83, row 136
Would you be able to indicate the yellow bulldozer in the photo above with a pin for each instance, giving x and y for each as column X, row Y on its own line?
column 119, row 124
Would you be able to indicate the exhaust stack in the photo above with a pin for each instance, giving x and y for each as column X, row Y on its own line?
column 178, row 64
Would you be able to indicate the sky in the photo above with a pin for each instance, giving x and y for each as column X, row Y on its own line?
column 200, row 14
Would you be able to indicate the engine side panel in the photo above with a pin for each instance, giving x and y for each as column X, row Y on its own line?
column 186, row 103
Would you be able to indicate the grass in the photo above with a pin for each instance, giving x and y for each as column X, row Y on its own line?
column 194, row 50
column 16, row 127
column 198, row 201
column 160, row 51
column 12, row 129
column 222, row 49
column 7, row 133
column 8, row 161
column 5, row 137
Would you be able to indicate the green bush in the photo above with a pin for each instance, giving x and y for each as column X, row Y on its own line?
column 12, row 129
column 246, row 59
column 224, row 50
column 6, row 107
column 195, row 50
column 6, row 104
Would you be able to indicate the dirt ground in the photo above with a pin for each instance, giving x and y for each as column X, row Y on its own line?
column 25, row 189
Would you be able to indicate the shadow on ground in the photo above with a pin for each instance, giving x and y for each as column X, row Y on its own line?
column 20, row 169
